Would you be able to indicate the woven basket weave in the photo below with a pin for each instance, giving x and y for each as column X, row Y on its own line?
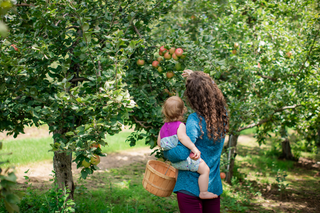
column 159, row 178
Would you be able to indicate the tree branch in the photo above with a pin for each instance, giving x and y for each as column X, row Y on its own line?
column 141, row 123
column 267, row 119
column 268, row 77
column 309, row 53
column 78, row 79
column 24, row 5
column 136, row 29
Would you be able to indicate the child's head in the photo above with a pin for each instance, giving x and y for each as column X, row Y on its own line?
column 173, row 109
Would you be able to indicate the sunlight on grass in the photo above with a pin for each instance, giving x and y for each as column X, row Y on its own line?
column 117, row 142
column 124, row 192
column 250, row 131
column 28, row 150
column 32, row 150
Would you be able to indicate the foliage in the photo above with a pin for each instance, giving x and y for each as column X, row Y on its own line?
column 263, row 55
column 7, row 183
column 281, row 178
column 5, row 6
column 68, row 69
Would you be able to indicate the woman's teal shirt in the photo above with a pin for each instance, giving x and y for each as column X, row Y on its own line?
column 210, row 153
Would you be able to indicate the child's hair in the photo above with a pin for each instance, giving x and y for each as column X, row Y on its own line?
column 173, row 109
column 207, row 100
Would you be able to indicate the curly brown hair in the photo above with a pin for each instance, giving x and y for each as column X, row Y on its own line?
column 207, row 100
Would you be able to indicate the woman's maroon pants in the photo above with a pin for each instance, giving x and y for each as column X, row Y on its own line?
column 191, row 204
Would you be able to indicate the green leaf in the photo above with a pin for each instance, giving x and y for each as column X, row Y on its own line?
column 12, row 199
column 85, row 27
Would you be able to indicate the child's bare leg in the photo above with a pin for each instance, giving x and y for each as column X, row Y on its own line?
column 204, row 181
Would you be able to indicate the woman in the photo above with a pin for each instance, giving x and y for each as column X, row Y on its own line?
column 206, row 128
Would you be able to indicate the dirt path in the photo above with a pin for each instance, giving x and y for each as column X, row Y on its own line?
column 42, row 172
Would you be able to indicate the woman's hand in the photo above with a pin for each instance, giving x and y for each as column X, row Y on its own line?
column 186, row 73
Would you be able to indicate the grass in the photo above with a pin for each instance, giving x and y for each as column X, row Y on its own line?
column 261, row 183
column 33, row 150
column 25, row 151
column 250, row 131
column 116, row 190
column 123, row 191
column 117, row 143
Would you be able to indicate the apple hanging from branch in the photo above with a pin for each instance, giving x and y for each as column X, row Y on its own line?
column 172, row 50
column 170, row 74
column 140, row 62
column 179, row 52
column 155, row 64
column 167, row 56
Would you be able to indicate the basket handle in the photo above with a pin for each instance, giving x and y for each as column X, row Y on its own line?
column 167, row 169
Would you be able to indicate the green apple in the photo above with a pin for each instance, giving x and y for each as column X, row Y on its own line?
column 95, row 160
column 178, row 66
column 85, row 164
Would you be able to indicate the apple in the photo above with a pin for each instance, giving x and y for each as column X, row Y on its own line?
column 160, row 59
column 85, row 164
column 140, row 62
column 222, row 175
column 259, row 66
column 95, row 145
column 183, row 56
column 175, row 57
column 162, row 49
column 170, row 74
column 172, row 49
column 166, row 91
column 160, row 53
column 191, row 155
column 178, row 52
column 155, row 64
column 178, row 66
column 288, row 54
column 167, row 56
column 160, row 69
column 95, row 160
column 234, row 52
column 236, row 45
column 14, row 47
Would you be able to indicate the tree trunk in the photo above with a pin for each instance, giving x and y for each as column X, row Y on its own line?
column 233, row 140
column 63, row 170
column 286, row 150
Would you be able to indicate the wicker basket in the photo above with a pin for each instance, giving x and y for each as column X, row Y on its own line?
column 159, row 178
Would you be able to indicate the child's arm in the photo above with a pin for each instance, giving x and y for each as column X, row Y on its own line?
column 185, row 140
column 159, row 139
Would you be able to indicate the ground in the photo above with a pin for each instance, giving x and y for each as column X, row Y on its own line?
column 39, row 173
column 302, row 194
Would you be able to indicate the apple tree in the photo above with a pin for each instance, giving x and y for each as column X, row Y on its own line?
column 63, row 64
column 263, row 55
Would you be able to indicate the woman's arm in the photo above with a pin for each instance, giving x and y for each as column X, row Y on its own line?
column 185, row 140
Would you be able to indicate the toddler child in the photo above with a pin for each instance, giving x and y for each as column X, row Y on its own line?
column 174, row 130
